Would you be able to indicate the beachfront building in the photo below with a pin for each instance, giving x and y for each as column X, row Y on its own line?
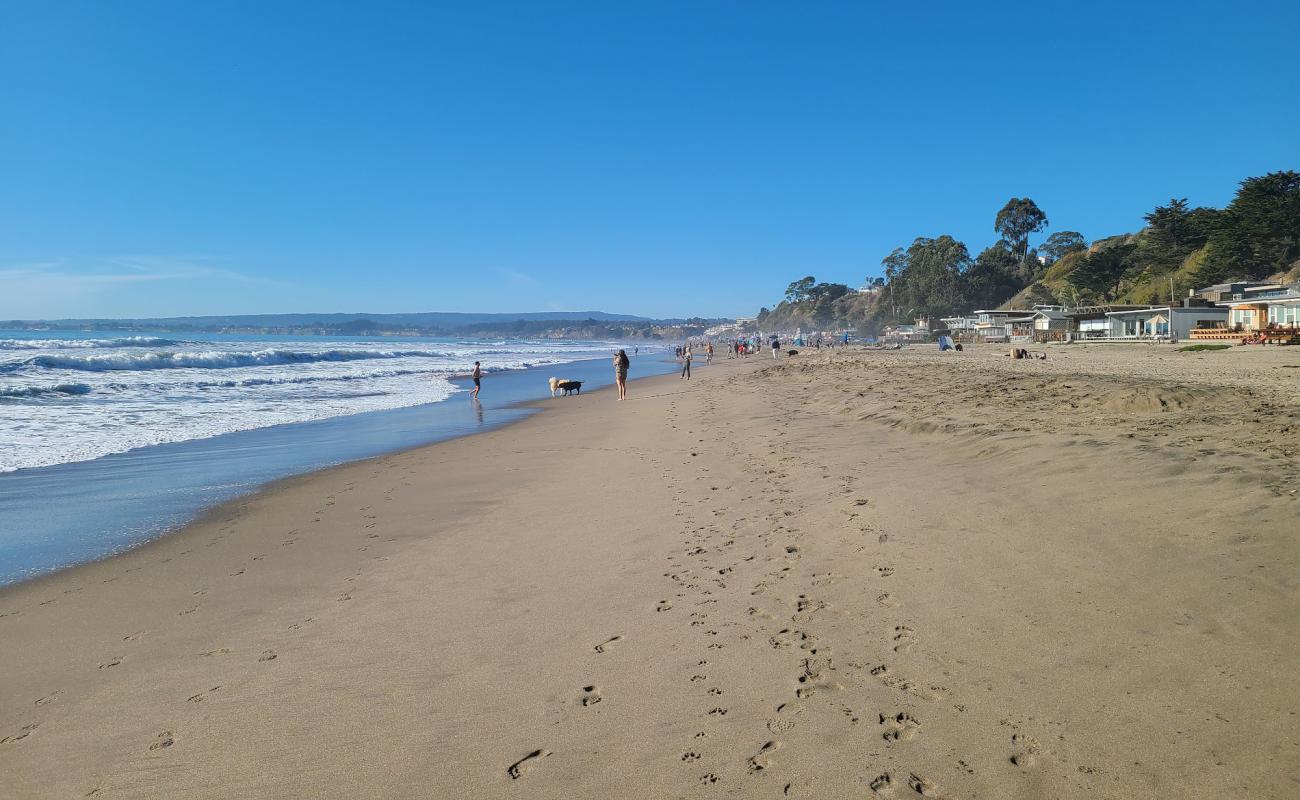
column 1254, row 308
column 960, row 328
column 1284, row 310
column 1162, row 323
column 1051, row 324
column 1239, row 290
column 991, row 324
column 1091, row 323
column 1020, row 329
column 920, row 332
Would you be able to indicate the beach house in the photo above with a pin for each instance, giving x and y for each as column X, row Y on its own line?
column 991, row 325
column 961, row 328
column 1051, row 324
column 1163, row 323
column 1253, row 308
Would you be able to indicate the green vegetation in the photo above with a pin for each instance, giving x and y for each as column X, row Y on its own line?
column 1257, row 237
column 1197, row 348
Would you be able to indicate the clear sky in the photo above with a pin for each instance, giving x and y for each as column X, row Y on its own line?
column 645, row 157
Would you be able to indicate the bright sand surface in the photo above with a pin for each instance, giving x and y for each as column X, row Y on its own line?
column 841, row 576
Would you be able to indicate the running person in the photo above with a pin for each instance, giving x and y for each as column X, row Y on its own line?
column 477, row 375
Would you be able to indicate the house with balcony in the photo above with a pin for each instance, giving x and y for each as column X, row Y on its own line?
column 1255, row 308
column 991, row 325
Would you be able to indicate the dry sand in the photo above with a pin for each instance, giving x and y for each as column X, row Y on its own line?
column 842, row 576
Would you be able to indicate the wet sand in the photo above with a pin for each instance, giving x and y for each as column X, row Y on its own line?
column 845, row 575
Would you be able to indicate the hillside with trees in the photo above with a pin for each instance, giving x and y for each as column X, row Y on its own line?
column 1256, row 237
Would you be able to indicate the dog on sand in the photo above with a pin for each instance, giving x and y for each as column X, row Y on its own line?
column 555, row 384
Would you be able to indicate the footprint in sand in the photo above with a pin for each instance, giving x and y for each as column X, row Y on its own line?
column 690, row 756
column 23, row 733
column 762, row 759
column 267, row 655
column 882, row 785
column 1026, row 750
column 885, row 572
column 903, row 638
column 664, row 605
column 600, row 648
column 518, row 769
column 590, row 696
column 899, row 727
column 164, row 740
column 921, row 786
column 111, row 663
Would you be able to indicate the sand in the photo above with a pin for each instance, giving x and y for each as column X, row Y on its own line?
column 844, row 575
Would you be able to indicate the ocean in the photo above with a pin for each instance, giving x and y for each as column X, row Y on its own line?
column 108, row 441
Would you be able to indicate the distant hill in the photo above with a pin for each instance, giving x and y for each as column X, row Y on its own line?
column 442, row 320
column 538, row 324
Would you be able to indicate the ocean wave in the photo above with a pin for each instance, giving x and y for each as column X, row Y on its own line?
column 211, row 359
column 83, row 344
column 294, row 379
column 62, row 389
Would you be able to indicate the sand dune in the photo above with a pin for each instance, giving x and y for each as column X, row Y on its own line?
column 854, row 574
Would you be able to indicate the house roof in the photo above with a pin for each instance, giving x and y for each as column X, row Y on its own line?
column 1173, row 309
column 1289, row 296
column 1051, row 314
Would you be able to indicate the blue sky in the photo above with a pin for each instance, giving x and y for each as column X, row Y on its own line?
column 656, row 158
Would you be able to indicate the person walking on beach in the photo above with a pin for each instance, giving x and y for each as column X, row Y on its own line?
column 621, row 363
column 477, row 375
column 708, row 353
column 776, row 345
column 686, row 363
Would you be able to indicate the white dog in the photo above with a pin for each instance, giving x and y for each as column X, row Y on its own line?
column 555, row 383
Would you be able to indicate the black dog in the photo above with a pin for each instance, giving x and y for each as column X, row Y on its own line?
column 792, row 352
column 569, row 387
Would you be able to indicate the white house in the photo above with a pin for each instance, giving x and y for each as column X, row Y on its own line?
column 991, row 324
column 1162, row 323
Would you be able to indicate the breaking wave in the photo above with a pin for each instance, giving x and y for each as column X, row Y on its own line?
column 62, row 389
column 84, row 344
column 210, row 359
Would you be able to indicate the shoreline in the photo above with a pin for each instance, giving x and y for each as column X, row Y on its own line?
column 118, row 486
column 805, row 578
column 265, row 490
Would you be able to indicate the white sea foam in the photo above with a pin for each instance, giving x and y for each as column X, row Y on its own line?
column 203, row 359
column 81, row 344
column 64, row 400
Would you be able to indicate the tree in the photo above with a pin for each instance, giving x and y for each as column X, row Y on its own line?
column 1103, row 270
column 993, row 277
column 1258, row 233
column 822, row 312
column 1061, row 244
column 895, row 265
column 933, row 278
column 1173, row 231
column 800, row 290
column 1017, row 219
